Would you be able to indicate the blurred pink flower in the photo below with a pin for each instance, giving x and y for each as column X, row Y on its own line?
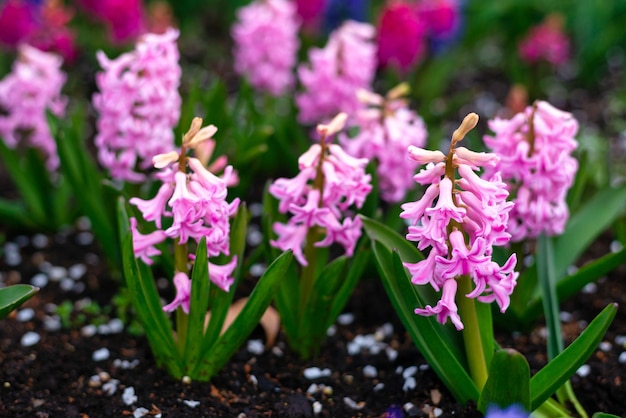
column 138, row 105
column 441, row 16
column 266, row 44
column 546, row 42
column 311, row 13
column 335, row 73
column 125, row 19
column 401, row 36
column 31, row 89
column 18, row 20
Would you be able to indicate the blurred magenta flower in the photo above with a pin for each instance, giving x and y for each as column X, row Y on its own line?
column 442, row 17
column 125, row 19
column 138, row 105
column 39, row 24
column 535, row 149
column 31, row 89
column 460, row 219
column 196, row 206
column 266, row 44
column 311, row 13
column 320, row 196
column 335, row 73
column 386, row 128
column 546, row 42
column 401, row 36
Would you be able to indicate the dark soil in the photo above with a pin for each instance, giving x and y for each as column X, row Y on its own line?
column 58, row 376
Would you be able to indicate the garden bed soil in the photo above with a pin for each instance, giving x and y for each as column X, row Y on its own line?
column 366, row 365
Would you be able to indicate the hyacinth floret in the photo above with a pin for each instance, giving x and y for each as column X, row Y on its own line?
column 138, row 105
column 535, row 149
column 195, row 205
column 31, row 89
column 386, row 127
column 266, row 44
column 319, row 197
column 347, row 63
column 460, row 220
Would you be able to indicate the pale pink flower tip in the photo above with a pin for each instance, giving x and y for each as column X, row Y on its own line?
column 183, row 294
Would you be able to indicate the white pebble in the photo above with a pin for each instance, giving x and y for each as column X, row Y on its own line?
column 255, row 237
column 350, row 403
column 409, row 372
column 370, row 371
column 57, row 273
column 584, row 370
column 39, row 280
column 399, row 370
column 67, row 284
column 141, row 412
column 409, row 384
column 25, row 315
column 77, row 271
column 408, row 406
column 104, row 329
column 110, row 387
column 277, row 351
column 88, row 330
column 256, row 347
column 605, row 346
column 375, row 349
column 84, row 238
column 30, row 338
column 616, row 246
column 565, row 316
column 423, row 367
column 79, row 287
column 315, row 373
column 125, row 364
column 12, row 258
column 190, row 403
column 129, row 396
column 353, row 348
column 392, row 354
column 83, row 223
column 331, row 331
column 257, row 269
column 622, row 357
column 253, row 380
column 52, row 323
column 116, row 325
column 345, row 319
column 101, row 354
column 378, row 387
column 317, row 407
column 437, row 412
column 256, row 209
column 40, row 241
column 590, row 288
column 620, row 340
column 313, row 389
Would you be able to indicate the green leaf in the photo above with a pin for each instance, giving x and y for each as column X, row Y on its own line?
column 13, row 296
column 439, row 344
column 198, row 306
column 547, row 284
column 508, row 382
column 246, row 321
column 604, row 415
column 554, row 374
column 15, row 213
column 391, row 240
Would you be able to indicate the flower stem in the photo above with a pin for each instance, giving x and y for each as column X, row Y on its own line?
column 471, row 333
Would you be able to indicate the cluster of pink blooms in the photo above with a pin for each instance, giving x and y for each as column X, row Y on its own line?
column 196, row 204
column 387, row 127
column 124, row 19
column 42, row 24
column 312, row 204
column 405, row 26
column 460, row 220
column 139, row 105
column 266, row 44
column 346, row 64
column 535, row 148
column 26, row 94
column 546, row 42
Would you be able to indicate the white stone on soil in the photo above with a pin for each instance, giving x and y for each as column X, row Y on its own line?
column 315, row 373
column 30, row 338
column 39, row 280
column 129, row 396
column 101, row 354
column 256, row 347
column 370, row 371
column 190, row 403
column 25, row 315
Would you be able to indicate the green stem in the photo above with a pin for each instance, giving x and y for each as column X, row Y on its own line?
column 550, row 409
column 471, row 333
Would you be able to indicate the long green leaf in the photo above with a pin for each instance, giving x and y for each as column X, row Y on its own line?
column 246, row 321
column 198, row 305
column 15, row 214
column 554, row 374
column 508, row 382
column 442, row 352
column 13, row 296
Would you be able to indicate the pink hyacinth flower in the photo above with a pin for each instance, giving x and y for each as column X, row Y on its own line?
column 266, row 44
column 183, row 294
column 138, row 106
column 31, row 89
column 546, row 42
column 125, row 19
column 334, row 74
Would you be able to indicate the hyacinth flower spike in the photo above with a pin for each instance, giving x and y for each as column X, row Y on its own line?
column 460, row 217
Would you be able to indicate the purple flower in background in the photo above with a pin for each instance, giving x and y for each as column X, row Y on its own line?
column 31, row 89
column 460, row 219
column 546, row 42
column 124, row 19
column 338, row 11
column 535, row 149
column 266, row 44
column 195, row 204
column 386, row 128
column 18, row 20
column 138, row 105
column 513, row 411
column 310, row 12
column 336, row 72
column 329, row 183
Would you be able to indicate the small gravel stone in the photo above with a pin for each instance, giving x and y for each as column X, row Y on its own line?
column 101, row 354
column 110, row 387
column 190, row 403
column 622, row 357
column 140, row 412
column 39, row 280
column 25, row 315
column 616, row 246
column 565, row 316
column 129, row 396
column 52, row 323
column 605, row 346
column 584, row 370
column 12, row 258
column 57, row 273
column 392, row 354
column 256, row 347
column 370, row 371
column 411, row 409
column 317, row 408
column 66, row 284
column 84, row 238
column 590, row 288
column 409, row 372
column 77, row 271
column 620, row 340
column 257, row 269
column 255, row 237
column 88, row 330
column 40, row 241
column 315, row 373
column 350, row 403
column 409, row 384
column 277, row 351
column 79, row 287
column 345, row 319
column 437, row 412
column 378, row 387
column 30, row 338
column 353, row 348
column 116, row 325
